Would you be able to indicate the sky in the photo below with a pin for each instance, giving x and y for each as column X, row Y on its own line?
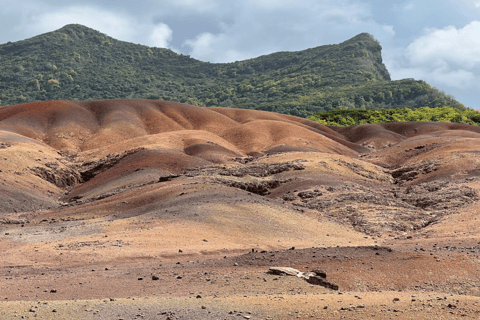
column 437, row 41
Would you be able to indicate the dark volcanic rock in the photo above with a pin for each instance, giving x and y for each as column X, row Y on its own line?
column 88, row 170
column 370, row 208
column 411, row 172
column 168, row 178
column 321, row 281
column 320, row 273
column 258, row 187
column 263, row 170
column 61, row 177
column 254, row 170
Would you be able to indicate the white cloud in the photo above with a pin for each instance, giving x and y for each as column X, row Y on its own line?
column 448, row 46
column 475, row 3
column 196, row 5
column 207, row 45
column 113, row 24
column 441, row 77
column 447, row 58
column 454, row 78
column 259, row 27
column 116, row 25
column 389, row 29
column 202, row 45
column 161, row 36
column 271, row 4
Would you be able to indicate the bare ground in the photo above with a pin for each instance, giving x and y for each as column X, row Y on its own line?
column 171, row 211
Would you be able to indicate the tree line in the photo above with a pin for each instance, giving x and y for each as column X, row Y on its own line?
column 357, row 117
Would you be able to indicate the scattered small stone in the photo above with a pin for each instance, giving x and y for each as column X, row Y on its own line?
column 53, row 291
column 155, row 277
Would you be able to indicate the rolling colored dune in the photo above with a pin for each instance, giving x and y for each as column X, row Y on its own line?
column 138, row 188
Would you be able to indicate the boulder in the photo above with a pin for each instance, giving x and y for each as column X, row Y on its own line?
column 320, row 281
column 320, row 273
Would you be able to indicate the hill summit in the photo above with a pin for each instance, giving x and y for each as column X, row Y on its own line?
column 79, row 63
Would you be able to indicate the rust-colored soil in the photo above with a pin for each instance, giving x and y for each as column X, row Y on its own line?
column 140, row 209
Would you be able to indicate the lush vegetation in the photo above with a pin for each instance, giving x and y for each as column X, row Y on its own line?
column 79, row 63
column 356, row 117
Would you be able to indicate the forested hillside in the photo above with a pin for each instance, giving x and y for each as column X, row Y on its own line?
column 79, row 63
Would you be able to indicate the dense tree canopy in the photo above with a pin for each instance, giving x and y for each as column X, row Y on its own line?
column 356, row 117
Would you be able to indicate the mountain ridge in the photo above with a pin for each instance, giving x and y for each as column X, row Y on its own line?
column 79, row 63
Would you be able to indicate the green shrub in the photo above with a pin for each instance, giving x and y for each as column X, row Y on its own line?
column 357, row 117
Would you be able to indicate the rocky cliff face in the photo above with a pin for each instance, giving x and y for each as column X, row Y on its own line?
column 365, row 45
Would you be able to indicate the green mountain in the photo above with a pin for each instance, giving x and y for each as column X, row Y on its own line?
column 79, row 63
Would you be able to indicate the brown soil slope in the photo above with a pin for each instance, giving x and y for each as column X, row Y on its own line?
column 104, row 202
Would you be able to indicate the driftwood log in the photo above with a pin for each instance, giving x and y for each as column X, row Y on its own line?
column 316, row 277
